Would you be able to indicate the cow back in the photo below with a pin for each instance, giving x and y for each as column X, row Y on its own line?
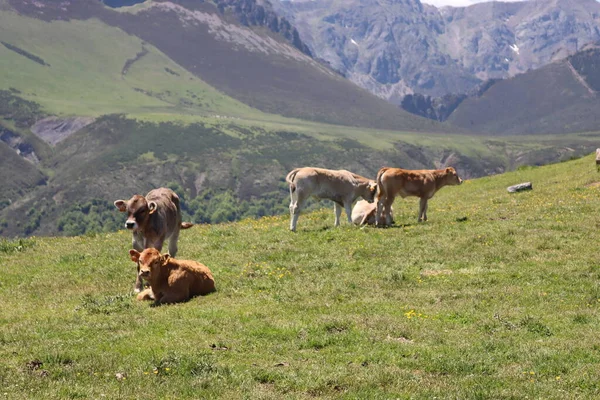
column 325, row 183
column 193, row 275
column 168, row 214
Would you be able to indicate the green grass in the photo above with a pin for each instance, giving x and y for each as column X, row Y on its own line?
column 497, row 296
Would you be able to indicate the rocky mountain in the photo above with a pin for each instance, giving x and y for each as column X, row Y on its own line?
column 399, row 47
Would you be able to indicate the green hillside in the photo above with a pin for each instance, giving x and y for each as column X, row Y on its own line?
column 226, row 171
column 92, row 69
column 558, row 98
column 496, row 296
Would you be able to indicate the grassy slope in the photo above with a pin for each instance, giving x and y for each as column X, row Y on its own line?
column 17, row 174
column 502, row 305
column 84, row 77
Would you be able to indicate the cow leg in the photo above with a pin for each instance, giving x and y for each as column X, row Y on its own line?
column 423, row 209
column 137, row 242
column 158, row 244
column 295, row 207
column 364, row 219
column 378, row 212
column 139, row 283
column 388, row 215
column 337, row 208
column 348, row 207
column 146, row 295
column 292, row 210
column 175, row 295
column 383, row 207
column 173, row 242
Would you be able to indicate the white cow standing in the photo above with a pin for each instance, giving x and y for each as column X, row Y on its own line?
column 340, row 186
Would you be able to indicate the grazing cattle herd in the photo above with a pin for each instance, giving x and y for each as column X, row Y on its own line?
column 157, row 217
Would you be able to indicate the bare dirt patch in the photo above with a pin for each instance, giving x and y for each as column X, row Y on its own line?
column 54, row 130
column 593, row 185
column 435, row 272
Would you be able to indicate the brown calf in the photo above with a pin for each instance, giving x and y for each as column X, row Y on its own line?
column 171, row 280
column 597, row 159
column 365, row 213
column 152, row 219
column 341, row 186
column 420, row 183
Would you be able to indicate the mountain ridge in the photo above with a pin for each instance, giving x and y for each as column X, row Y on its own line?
column 399, row 48
column 558, row 98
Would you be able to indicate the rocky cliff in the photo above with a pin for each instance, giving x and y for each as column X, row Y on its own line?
column 399, row 47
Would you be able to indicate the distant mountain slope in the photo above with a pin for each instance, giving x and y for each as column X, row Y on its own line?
column 138, row 87
column 90, row 68
column 558, row 98
column 399, row 47
column 256, row 60
column 18, row 176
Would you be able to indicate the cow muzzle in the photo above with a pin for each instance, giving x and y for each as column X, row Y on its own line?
column 130, row 224
column 144, row 273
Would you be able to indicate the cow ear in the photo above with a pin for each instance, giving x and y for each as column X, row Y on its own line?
column 449, row 170
column 121, row 205
column 152, row 207
column 135, row 255
column 165, row 258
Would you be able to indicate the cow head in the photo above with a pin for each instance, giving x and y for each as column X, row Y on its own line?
column 451, row 177
column 150, row 261
column 138, row 211
column 370, row 193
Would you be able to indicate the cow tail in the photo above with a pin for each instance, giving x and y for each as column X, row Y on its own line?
column 290, row 179
column 380, row 189
column 186, row 225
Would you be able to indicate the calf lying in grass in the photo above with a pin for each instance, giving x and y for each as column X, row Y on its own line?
column 365, row 213
column 171, row 280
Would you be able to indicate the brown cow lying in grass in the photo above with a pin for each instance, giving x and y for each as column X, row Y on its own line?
column 340, row 186
column 365, row 213
column 420, row 183
column 171, row 280
column 152, row 219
